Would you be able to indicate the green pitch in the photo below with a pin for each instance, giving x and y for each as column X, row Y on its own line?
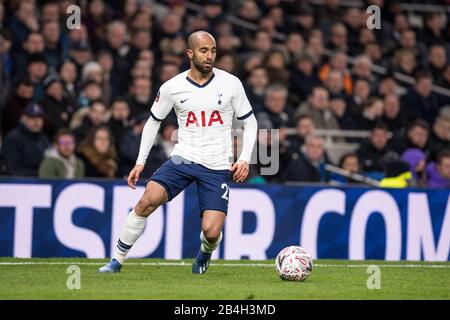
column 166, row 280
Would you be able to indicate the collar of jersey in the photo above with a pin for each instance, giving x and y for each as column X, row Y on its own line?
column 200, row 85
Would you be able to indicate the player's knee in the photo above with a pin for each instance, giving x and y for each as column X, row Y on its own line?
column 212, row 233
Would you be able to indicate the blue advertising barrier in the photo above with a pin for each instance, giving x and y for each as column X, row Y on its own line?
column 83, row 218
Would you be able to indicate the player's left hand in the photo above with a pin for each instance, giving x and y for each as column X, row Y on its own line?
column 241, row 169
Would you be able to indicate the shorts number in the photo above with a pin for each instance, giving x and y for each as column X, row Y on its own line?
column 227, row 189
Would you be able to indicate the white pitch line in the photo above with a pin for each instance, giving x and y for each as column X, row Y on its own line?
column 181, row 264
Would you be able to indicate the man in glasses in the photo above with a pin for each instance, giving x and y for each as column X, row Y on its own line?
column 60, row 161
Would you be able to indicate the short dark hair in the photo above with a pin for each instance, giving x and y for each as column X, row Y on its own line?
column 443, row 154
column 301, row 117
column 380, row 126
column 419, row 123
column 422, row 74
column 345, row 156
column 63, row 132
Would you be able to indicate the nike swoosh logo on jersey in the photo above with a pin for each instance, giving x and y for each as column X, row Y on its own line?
column 182, row 101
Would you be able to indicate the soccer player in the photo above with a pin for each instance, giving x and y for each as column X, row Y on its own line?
column 206, row 100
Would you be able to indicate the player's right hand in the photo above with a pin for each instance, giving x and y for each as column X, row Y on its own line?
column 133, row 177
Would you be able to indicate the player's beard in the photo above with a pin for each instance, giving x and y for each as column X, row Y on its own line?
column 201, row 67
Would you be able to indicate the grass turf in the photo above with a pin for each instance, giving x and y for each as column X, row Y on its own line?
column 148, row 279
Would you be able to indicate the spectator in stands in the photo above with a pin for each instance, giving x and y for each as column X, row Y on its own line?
column 420, row 102
column 80, row 53
column 60, row 160
column 139, row 96
column 433, row 28
column 36, row 72
column 350, row 163
column 34, row 44
column 318, row 108
column 98, row 153
column 255, row 87
column 16, row 104
column 437, row 59
column 23, row 22
column 338, row 38
column 24, row 147
column 438, row 173
column 373, row 153
column 129, row 149
column 359, row 97
column 304, row 127
column 440, row 134
column 275, row 63
column 338, row 106
column 303, row 76
column 276, row 111
column 417, row 162
column 335, row 83
column 393, row 116
column 311, row 160
column 94, row 116
column 55, row 50
column 118, row 123
column 116, row 37
column 372, row 113
column 338, row 62
column 388, row 85
column 396, row 174
column 68, row 76
column 362, row 68
column 416, row 136
column 57, row 110
column 405, row 62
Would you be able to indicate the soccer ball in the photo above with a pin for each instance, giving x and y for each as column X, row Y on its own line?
column 294, row 264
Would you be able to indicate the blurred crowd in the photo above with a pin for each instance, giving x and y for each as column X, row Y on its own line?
column 73, row 102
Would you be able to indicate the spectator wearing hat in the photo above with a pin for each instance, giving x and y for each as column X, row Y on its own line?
column 15, row 105
column 129, row 149
column 438, row 173
column 24, row 146
column 36, row 72
column 57, row 110
column 80, row 53
column 396, row 175
column 417, row 162
column 60, row 160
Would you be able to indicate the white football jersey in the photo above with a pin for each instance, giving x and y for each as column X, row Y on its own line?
column 205, row 116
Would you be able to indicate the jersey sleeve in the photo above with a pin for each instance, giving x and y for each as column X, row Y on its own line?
column 241, row 105
column 162, row 105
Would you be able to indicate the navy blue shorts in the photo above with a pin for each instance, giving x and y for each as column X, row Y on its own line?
column 213, row 185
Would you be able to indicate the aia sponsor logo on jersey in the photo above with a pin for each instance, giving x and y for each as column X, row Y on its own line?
column 201, row 120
